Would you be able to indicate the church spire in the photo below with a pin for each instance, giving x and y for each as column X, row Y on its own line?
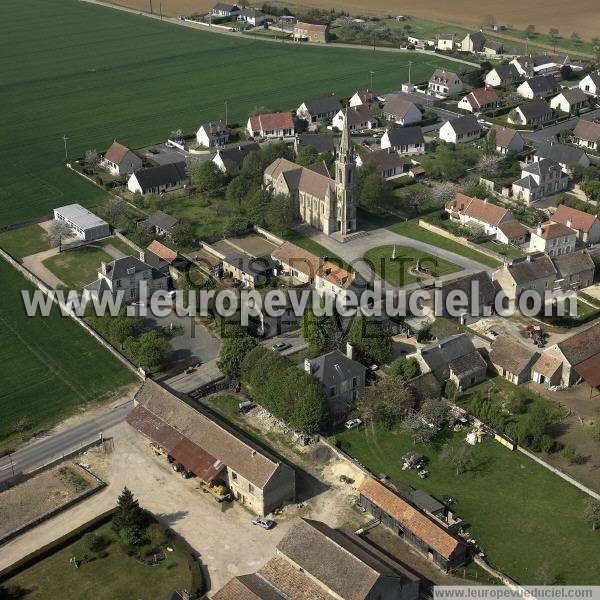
column 345, row 141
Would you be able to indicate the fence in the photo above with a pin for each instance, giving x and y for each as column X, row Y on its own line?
column 26, row 223
column 270, row 236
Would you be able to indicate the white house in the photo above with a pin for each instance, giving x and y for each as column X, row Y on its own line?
column 271, row 125
column 401, row 111
column 159, row 179
column 445, row 41
column 590, row 84
column 587, row 134
column 535, row 112
column 480, row 100
column 539, row 179
column 506, row 139
column 359, row 118
column 213, row 134
column 473, row 42
column 461, row 130
column 502, row 76
column 404, row 140
column 444, row 83
column 540, row 86
column 360, row 97
column 225, row 10
column 555, row 239
column 570, row 101
column 120, row 160
column 319, row 109
column 251, row 16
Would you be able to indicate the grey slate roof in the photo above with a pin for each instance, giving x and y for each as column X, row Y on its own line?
column 323, row 104
column 405, row 136
column 321, row 142
column 126, row 266
column 574, row 95
column 234, row 157
column 543, row 84
column 150, row 177
column 438, row 355
column 507, row 71
column 535, row 109
column 248, row 264
column 215, row 129
column 465, row 124
column 467, row 364
column 542, row 167
column 385, row 159
column 560, row 153
column 334, row 367
column 573, row 263
column 162, row 220
column 531, row 268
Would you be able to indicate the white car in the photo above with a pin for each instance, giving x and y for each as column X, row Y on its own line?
column 264, row 523
column 353, row 423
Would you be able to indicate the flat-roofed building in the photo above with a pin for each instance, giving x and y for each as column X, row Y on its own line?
column 84, row 223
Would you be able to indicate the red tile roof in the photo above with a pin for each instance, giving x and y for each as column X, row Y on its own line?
column 116, row 153
column 311, row 26
column 581, row 221
column 555, row 230
column 272, row 121
column 482, row 96
column 162, row 251
column 198, row 461
column 481, row 210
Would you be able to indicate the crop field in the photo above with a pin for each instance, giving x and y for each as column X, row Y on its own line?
column 94, row 74
column 49, row 366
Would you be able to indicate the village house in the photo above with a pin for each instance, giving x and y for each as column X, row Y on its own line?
column 359, row 118
column 252, row 16
column 321, row 142
column 575, row 270
column 480, row 100
column 506, row 139
column 535, row 112
column 473, row 42
column 404, row 140
column 212, row 135
column 539, row 179
column 341, row 379
column 566, row 156
column 331, row 280
column 540, row 86
column 444, row 83
column 296, row 263
column 319, row 109
column 454, row 358
column 502, row 76
column 210, row 449
column 271, row 125
column 361, row 97
column 531, row 65
column 461, row 130
column 120, row 160
column 571, row 361
column 512, row 232
column 493, row 48
column 225, row 10
column 472, row 212
column 316, row 562
column 585, row 224
column 84, row 224
column 445, row 41
column 587, row 134
column 388, row 164
column 401, row 111
column 430, row 537
column 159, row 179
column 534, row 272
column 311, row 32
column 590, row 84
column 553, row 238
column 165, row 260
column 249, row 271
column 230, row 160
column 512, row 360
column 125, row 276
column 570, row 101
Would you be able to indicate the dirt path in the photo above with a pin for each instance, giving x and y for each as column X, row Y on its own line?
column 33, row 262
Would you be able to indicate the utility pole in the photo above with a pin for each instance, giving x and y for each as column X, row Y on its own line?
column 151, row 7
column 409, row 69
column 371, row 73
column 226, row 112
column 65, row 138
column 161, row 11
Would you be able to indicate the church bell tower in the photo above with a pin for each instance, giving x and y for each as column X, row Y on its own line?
column 345, row 174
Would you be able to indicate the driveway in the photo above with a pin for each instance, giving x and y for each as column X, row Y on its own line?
column 33, row 262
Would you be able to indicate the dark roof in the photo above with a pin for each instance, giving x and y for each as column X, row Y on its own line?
column 465, row 124
column 323, row 105
column 573, row 263
column 425, row 387
column 385, row 159
column 150, row 177
column 507, row 71
column 223, row 6
column 482, row 281
column 214, row 129
column 543, row 84
column 250, row 11
column 162, row 220
column 535, row 108
column 440, row 354
column 574, row 95
column 405, row 136
column 335, row 367
column 319, row 167
column 321, row 142
column 248, row 587
column 531, row 268
column 469, row 363
column 124, row 267
column 249, row 264
column 234, row 157
column 587, row 130
column 560, row 153
column 360, row 114
column 582, row 345
column 397, row 106
column 424, row 501
column 511, row 355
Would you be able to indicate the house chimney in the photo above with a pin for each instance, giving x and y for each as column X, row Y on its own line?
column 308, row 366
column 539, row 229
column 350, row 350
column 528, row 258
column 569, row 223
column 103, row 267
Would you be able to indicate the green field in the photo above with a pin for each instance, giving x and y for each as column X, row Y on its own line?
column 397, row 272
column 95, row 74
column 528, row 521
column 49, row 366
column 24, row 241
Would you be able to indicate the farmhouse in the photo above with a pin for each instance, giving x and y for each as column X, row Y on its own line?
column 531, row 65
column 388, row 163
column 480, row 100
column 575, row 270
column 84, row 224
column 539, row 179
column 445, row 83
column 311, row 32
column 221, row 9
column 427, row 535
column 319, row 109
column 252, row 16
column 361, row 97
column 271, row 125
column 315, row 562
column 461, row 130
column 566, row 156
column 473, row 42
column 512, row 360
column 506, row 139
column 120, row 160
column 570, row 101
column 535, row 112
column 230, row 160
column 502, row 76
column 493, row 48
column 213, row 134
column 210, row 449
column 401, row 111
column 590, row 84
column 553, row 238
column 540, row 86
column 404, row 140
column 358, row 118
column 341, row 379
column 445, row 41
column 587, row 134
column 586, row 225
column 159, row 179
column 321, row 142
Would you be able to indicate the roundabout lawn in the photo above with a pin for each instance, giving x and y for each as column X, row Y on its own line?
column 399, row 272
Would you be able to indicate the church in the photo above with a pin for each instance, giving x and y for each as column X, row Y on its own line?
column 324, row 203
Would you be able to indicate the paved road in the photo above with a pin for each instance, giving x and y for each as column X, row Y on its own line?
column 53, row 446
column 550, row 132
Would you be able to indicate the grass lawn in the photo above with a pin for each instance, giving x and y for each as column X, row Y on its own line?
column 113, row 577
column 525, row 518
column 316, row 248
column 412, row 230
column 50, row 367
column 78, row 267
column 24, row 241
column 57, row 83
column 505, row 249
column 117, row 244
column 397, row 272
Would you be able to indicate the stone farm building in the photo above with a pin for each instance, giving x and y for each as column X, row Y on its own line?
column 211, row 450
column 311, row 32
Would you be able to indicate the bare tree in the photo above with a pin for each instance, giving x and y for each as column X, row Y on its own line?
column 176, row 134
column 460, row 457
column 443, row 193
column 592, row 513
column 489, row 164
column 57, row 232
column 115, row 210
column 191, row 165
column 91, row 158
column 419, row 431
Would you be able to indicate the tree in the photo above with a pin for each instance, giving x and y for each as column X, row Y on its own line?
column 419, row 431
column 281, row 213
column 373, row 192
column 489, row 164
column 128, row 514
column 450, row 390
column 233, row 351
column 554, row 36
column 316, row 330
column 257, row 205
column 57, row 232
column 157, row 535
column 575, row 38
column 307, row 156
column 530, row 30
column 371, row 337
column 115, row 210
column 150, row 351
column 388, row 402
column 434, row 413
column 238, row 190
column 91, row 159
column 591, row 513
column 208, row 178
column 176, row 134
column 489, row 143
column 182, row 234
column 596, row 48
column 460, row 457
column 406, row 368
column 92, row 542
column 131, row 536
column 443, row 193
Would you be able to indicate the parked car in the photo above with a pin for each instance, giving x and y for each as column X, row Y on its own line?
column 245, row 406
column 346, row 479
column 353, row 423
column 264, row 523
column 280, row 346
